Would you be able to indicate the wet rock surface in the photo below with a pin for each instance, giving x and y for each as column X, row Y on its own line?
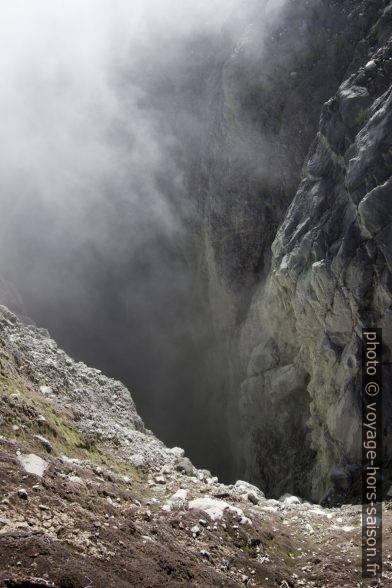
column 298, row 240
column 331, row 277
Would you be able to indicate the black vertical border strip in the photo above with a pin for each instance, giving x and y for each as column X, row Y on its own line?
column 372, row 479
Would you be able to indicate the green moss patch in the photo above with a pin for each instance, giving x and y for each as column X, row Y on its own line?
column 24, row 412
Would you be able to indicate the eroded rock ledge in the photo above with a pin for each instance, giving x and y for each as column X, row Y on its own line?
column 298, row 241
column 331, row 276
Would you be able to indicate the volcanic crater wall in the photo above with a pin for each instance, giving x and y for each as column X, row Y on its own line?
column 237, row 318
column 296, row 235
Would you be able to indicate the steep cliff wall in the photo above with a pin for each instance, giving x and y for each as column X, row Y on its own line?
column 289, row 325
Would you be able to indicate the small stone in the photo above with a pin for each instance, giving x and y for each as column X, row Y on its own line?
column 147, row 516
column 137, row 460
column 46, row 390
column 44, row 442
column 33, row 464
column 178, row 501
column 371, row 65
column 185, row 466
column 195, row 531
column 43, row 507
column 204, row 475
column 253, row 498
column 177, row 451
column 22, row 493
column 248, row 488
column 160, row 480
column 290, row 499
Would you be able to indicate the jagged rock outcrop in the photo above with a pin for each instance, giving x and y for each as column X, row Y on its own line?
column 331, row 271
column 289, row 324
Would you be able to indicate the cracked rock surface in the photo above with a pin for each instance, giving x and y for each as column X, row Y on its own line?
column 298, row 241
column 331, row 277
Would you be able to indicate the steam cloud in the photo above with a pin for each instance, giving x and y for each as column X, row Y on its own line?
column 94, row 203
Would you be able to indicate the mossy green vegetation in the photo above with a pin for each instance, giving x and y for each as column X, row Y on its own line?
column 21, row 412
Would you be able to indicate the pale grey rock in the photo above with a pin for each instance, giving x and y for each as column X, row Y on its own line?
column 289, row 500
column 371, row 65
column 195, row 530
column 137, row 460
column 76, row 479
column 204, row 475
column 215, row 508
column 178, row 501
column 33, row 464
column 177, row 451
column 248, row 488
column 46, row 390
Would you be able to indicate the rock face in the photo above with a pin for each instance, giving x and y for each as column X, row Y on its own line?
column 331, row 271
column 297, row 237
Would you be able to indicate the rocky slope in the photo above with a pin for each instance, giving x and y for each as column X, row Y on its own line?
column 90, row 498
column 297, row 238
